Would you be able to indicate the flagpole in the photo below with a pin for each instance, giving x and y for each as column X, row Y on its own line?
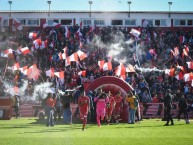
column 6, row 67
column 140, row 65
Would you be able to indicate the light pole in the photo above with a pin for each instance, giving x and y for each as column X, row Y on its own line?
column 90, row 3
column 49, row 2
column 129, row 3
column 169, row 3
column 10, row 2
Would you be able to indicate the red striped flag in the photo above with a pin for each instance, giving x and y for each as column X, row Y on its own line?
column 188, row 77
column 170, row 72
column 107, row 66
column 59, row 74
column 81, row 55
column 180, row 76
column 190, row 65
column 120, row 70
column 101, row 63
column 130, row 68
column 83, row 73
column 16, row 66
column 25, row 50
column 32, row 35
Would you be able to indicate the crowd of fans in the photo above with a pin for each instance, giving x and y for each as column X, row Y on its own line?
column 149, row 86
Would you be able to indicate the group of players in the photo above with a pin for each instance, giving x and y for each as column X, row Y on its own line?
column 106, row 106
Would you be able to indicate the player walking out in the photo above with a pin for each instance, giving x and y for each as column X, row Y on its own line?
column 84, row 105
column 109, row 107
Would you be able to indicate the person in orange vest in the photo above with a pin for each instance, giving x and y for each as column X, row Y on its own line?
column 50, row 103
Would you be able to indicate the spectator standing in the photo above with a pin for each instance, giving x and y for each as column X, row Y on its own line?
column 132, row 107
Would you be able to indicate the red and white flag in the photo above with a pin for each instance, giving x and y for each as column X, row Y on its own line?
column 101, row 63
column 37, row 43
column 56, row 25
column 107, row 66
column 24, row 70
column 190, row 65
column 81, row 55
column 59, row 74
column 16, row 66
column 180, row 76
column 120, row 70
column 170, row 72
column 25, row 50
column 185, row 52
column 67, row 62
column 74, row 57
column 135, row 32
column 8, row 53
column 83, row 73
column 78, row 33
column 17, row 24
column 62, row 56
column 130, row 68
column 67, row 32
column 32, row 35
column 81, row 25
column 182, row 39
column 144, row 23
column 50, row 72
column 188, row 77
column 44, row 44
column 45, row 25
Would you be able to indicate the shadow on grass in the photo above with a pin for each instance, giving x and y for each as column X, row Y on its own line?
column 149, row 126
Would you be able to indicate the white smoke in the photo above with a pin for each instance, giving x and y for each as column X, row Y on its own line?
column 41, row 91
column 145, row 70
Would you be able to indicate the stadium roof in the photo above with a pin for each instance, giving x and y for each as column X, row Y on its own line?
column 81, row 11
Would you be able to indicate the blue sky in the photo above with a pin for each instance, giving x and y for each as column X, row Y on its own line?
column 107, row 5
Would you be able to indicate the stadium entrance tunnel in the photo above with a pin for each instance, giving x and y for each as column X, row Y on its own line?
column 113, row 84
column 109, row 83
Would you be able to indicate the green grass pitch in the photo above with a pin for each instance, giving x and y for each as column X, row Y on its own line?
column 29, row 131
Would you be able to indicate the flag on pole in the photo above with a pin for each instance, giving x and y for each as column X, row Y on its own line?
column 25, row 50
column 83, row 73
column 81, row 55
column 59, row 74
column 45, row 25
column 57, row 25
column 170, row 72
column 120, row 70
column 74, row 57
column 188, row 77
column 190, row 65
column 107, row 66
column 135, row 32
column 32, row 35
column 101, row 63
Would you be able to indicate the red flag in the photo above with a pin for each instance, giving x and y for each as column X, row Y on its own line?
column 107, row 66
column 59, row 74
column 83, row 73
column 81, row 55
column 180, row 76
column 16, row 66
column 190, row 65
column 50, row 72
column 120, row 71
column 188, row 77
column 25, row 50
column 170, row 72
column 101, row 63
column 74, row 57
column 57, row 25
column 135, row 32
column 32, row 35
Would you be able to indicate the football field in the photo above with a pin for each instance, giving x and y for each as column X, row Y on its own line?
column 29, row 131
